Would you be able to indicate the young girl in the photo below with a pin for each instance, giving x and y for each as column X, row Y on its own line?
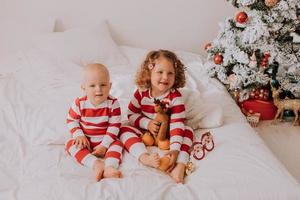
column 160, row 75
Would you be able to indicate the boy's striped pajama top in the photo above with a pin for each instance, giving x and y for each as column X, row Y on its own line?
column 100, row 124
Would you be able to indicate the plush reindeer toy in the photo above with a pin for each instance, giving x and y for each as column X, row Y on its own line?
column 162, row 138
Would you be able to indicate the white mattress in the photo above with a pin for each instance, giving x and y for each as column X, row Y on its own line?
column 34, row 102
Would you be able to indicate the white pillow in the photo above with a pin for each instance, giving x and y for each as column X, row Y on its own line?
column 16, row 35
column 83, row 45
column 199, row 112
column 42, row 96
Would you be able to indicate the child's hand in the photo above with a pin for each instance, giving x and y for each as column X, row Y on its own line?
column 99, row 151
column 173, row 158
column 153, row 127
column 81, row 142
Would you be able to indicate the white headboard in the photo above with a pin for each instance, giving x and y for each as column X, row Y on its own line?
column 173, row 24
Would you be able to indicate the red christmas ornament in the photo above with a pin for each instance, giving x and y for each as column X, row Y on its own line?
column 207, row 46
column 241, row 17
column 265, row 65
column 259, row 94
column 218, row 59
column 265, row 60
column 267, row 54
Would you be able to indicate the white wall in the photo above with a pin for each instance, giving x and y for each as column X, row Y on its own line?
column 173, row 24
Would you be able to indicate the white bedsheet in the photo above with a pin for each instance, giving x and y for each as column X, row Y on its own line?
column 34, row 166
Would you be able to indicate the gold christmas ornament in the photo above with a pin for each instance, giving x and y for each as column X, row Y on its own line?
column 236, row 95
column 190, row 167
column 271, row 3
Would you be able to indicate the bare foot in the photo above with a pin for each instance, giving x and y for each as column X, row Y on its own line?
column 111, row 172
column 98, row 169
column 151, row 160
column 178, row 173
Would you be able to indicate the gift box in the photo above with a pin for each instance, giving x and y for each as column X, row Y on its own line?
column 266, row 109
column 253, row 119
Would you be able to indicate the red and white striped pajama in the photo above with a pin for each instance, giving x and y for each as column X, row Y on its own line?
column 101, row 125
column 141, row 112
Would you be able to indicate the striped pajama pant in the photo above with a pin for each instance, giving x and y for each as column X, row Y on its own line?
column 130, row 137
column 113, row 156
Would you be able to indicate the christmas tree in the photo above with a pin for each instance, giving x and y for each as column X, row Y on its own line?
column 260, row 43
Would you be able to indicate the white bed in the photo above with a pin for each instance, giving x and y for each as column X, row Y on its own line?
column 35, row 94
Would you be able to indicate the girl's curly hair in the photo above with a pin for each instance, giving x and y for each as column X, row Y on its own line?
column 143, row 76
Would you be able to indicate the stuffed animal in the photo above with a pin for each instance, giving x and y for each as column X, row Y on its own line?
column 164, row 163
column 161, row 140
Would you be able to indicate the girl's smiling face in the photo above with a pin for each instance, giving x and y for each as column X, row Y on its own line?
column 162, row 76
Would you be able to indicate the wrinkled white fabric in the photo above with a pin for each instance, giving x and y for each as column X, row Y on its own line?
column 34, row 101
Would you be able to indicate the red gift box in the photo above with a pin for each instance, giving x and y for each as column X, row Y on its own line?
column 266, row 109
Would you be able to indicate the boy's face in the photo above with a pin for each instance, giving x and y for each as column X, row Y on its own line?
column 162, row 76
column 96, row 85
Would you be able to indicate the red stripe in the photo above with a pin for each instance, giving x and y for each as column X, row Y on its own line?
column 69, row 120
column 134, row 115
column 88, row 112
column 68, row 145
column 77, row 102
column 79, row 99
column 94, row 144
column 118, row 143
column 94, row 131
column 148, row 108
column 178, row 108
column 176, row 131
column 133, row 109
column 81, row 154
column 113, row 154
column 174, row 94
column 138, row 121
column 73, row 114
column 82, row 98
column 116, row 112
column 124, row 129
column 189, row 134
column 177, row 120
column 115, row 125
column 137, row 96
column 74, row 129
column 132, row 141
column 146, row 93
column 113, row 136
column 185, row 148
column 101, row 124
